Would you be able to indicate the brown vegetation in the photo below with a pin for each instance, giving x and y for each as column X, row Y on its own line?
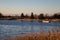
column 42, row 36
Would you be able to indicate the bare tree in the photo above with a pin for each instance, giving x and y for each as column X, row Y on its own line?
column 32, row 15
column 22, row 16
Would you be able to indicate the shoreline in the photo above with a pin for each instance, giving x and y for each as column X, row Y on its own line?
column 28, row 19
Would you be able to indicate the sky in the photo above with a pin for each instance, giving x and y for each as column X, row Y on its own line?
column 16, row 7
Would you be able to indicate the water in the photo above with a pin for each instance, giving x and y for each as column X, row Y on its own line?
column 11, row 28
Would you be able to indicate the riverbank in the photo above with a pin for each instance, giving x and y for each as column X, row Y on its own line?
column 28, row 19
column 50, row 20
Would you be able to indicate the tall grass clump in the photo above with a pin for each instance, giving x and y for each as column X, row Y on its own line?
column 51, row 35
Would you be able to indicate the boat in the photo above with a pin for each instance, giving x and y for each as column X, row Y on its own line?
column 45, row 21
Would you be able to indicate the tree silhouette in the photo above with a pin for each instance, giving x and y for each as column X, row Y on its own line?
column 1, row 16
column 56, row 15
column 32, row 15
column 22, row 16
column 26, row 16
column 41, row 16
column 46, row 16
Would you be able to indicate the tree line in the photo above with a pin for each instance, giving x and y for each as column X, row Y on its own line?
column 33, row 16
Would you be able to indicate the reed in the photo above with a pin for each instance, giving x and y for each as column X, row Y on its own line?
column 51, row 35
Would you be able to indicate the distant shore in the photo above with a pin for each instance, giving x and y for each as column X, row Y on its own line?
column 51, row 20
column 41, row 17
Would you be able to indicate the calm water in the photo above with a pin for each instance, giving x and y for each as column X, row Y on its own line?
column 10, row 28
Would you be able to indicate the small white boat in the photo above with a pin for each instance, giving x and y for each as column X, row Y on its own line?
column 45, row 21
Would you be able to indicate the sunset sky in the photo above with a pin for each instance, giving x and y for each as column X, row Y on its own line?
column 16, row 7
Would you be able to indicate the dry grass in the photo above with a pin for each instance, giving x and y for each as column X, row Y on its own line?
column 42, row 36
